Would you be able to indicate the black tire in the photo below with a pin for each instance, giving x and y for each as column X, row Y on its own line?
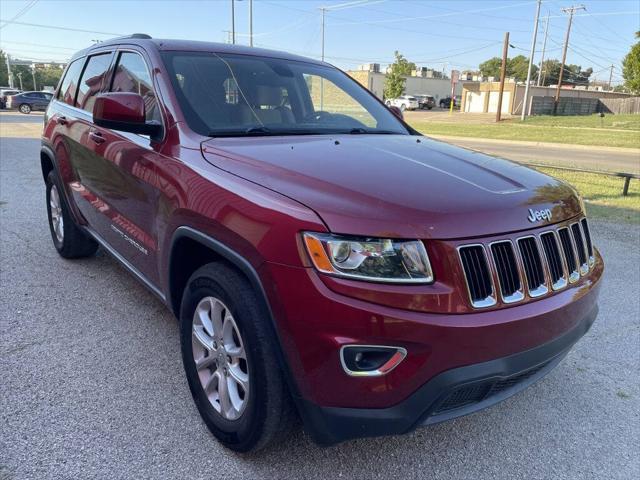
column 73, row 243
column 429, row 108
column 269, row 413
column 25, row 108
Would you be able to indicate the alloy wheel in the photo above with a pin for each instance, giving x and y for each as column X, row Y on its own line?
column 220, row 358
column 55, row 207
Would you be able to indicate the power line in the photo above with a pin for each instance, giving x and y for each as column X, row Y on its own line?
column 24, row 10
column 440, row 15
column 40, row 45
column 55, row 27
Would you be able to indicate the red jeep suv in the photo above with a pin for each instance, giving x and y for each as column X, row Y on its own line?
column 324, row 259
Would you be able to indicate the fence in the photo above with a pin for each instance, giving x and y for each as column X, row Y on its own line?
column 620, row 105
column 584, row 106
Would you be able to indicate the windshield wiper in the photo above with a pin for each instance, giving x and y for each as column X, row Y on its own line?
column 240, row 133
column 360, row 130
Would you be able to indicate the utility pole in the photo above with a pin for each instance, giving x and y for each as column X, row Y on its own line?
column 571, row 10
column 9, row 74
column 233, row 21
column 544, row 47
column 525, row 103
column 503, row 74
column 20, row 78
column 323, row 10
column 33, row 73
column 610, row 77
column 251, row 23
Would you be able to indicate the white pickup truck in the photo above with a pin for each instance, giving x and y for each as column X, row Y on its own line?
column 404, row 102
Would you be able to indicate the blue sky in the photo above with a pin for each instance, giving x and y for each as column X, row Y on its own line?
column 439, row 34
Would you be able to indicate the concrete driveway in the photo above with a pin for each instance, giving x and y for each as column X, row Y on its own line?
column 92, row 382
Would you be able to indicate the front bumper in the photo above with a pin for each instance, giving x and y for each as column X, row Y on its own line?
column 455, row 364
column 451, row 394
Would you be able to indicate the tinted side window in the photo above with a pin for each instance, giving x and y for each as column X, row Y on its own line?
column 132, row 75
column 67, row 92
column 91, row 82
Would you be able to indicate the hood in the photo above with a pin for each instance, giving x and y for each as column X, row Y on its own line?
column 397, row 186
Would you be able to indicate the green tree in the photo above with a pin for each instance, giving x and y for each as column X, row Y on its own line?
column 395, row 79
column 491, row 68
column 4, row 77
column 573, row 74
column 516, row 68
column 631, row 68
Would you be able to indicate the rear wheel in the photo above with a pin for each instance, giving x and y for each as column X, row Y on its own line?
column 229, row 356
column 25, row 108
column 69, row 240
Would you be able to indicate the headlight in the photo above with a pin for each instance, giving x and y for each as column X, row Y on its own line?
column 372, row 259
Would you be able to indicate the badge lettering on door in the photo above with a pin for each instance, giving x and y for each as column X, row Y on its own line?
column 537, row 215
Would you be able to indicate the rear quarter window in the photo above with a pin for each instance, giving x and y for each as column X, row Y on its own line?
column 69, row 85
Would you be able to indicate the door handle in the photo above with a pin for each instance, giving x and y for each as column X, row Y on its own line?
column 96, row 137
column 61, row 120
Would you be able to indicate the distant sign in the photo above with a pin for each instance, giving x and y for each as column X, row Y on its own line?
column 455, row 76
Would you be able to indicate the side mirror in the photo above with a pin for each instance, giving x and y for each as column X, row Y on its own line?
column 396, row 111
column 123, row 111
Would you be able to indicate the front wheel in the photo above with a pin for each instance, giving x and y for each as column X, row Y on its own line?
column 25, row 108
column 229, row 356
column 403, row 107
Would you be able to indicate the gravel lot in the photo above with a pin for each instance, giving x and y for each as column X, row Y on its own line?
column 92, row 383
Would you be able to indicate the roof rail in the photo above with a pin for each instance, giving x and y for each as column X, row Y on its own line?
column 143, row 36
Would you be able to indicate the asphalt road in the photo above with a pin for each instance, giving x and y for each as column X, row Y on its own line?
column 92, row 383
column 610, row 159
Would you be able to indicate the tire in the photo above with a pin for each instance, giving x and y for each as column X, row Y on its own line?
column 388, row 104
column 429, row 108
column 403, row 107
column 69, row 240
column 253, row 417
column 25, row 108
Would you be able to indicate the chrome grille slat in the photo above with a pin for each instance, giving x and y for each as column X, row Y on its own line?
column 507, row 270
column 587, row 237
column 476, row 271
column 580, row 248
column 569, row 254
column 554, row 260
column 532, row 264
column 535, row 264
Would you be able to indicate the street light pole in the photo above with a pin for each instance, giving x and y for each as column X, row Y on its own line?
column 544, row 47
column 8, row 59
column 233, row 21
column 533, row 51
column 33, row 73
column 20, row 79
column 323, row 10
column 251, row 23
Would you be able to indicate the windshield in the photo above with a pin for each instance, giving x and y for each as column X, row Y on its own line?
column 235, row 95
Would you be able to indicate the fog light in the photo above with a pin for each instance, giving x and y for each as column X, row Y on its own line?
column 370, row 360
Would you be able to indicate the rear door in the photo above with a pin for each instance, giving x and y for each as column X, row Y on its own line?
column 40, row 101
